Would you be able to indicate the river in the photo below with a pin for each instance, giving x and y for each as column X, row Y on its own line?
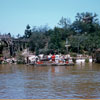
column 60, row 82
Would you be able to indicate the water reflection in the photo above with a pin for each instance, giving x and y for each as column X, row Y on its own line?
column 60, row 82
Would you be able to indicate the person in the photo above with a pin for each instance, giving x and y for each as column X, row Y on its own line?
column 36, row 59
column 53, row 57
column 41, row 56
column 93, row 57
column 57, row 58
column 66, row 57
column 13, row 60
column 62, row 59
column 49, row 57
column 27, row 59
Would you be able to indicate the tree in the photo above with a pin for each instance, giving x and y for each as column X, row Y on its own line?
column 85, row 23
column 38, row 40
column 76, row 43
column 64, row 23
column 83, row 35
column 18, row 36
column 28, row 32
column 56, row 43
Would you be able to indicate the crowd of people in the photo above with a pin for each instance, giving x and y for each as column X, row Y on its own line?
column 53, row 58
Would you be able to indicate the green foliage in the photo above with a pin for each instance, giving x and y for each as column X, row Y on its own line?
column 83, row 35
column 87, row 60
column 74, row 60
column 64, row 23
column 85, row 23
column 20, row 59
column 55, row 39
column 28, row 32
column 37, row 41
column 73, row 54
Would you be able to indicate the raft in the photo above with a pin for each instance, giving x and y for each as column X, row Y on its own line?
column 53, row 64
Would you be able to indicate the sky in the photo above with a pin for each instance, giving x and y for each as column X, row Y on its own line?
column 16, row 14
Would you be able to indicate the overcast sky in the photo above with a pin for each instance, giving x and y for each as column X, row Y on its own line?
column 16, row 14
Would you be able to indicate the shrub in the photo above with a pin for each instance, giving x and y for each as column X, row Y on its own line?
column 87, row 60
column 20, row 59
column 74, row 60
column 73, row 55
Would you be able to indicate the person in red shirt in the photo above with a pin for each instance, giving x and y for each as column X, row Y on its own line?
column 53, row 57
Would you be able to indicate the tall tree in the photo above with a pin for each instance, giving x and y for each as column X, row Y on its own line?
column 85, row 23
column 28, row 32
column 64, row 23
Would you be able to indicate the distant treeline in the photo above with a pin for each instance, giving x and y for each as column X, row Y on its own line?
column 83, row 35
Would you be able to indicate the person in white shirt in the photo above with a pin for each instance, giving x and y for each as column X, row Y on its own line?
column 49, row 57
column 57, row 57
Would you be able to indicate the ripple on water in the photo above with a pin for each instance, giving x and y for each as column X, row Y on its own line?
column 22, row 82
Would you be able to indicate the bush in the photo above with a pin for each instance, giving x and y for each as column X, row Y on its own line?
column 73, row 55
column 74, row 60
column 0, row 62
column 20, row 59
column 87, row 60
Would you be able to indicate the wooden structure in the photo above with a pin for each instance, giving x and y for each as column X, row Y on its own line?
column 53, row 64
column 13, row 45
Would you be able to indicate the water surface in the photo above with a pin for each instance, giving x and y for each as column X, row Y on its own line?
column 60, row 82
